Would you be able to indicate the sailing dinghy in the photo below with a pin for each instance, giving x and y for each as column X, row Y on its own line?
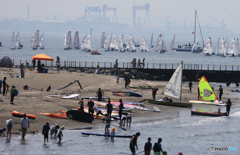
column 76, row 42
column 87, row 44
column 207, row 50
column 161, row 47
column 151, row 42
column 114, row 44
column 33, row 43
column 41, row 43
column 172, row 43
column 143, row 46
column 232, row 49
column 19, row 45
column 121, row 44
column 173, row 89
column 13, row 42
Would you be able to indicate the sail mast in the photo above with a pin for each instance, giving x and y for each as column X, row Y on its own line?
column 195, row 27
column 181, row 82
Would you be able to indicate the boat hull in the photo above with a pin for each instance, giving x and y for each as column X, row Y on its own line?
column 175, row 104
column 213, row 114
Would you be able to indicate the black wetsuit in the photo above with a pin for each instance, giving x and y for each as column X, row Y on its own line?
column 120, row 110
column 220, row 93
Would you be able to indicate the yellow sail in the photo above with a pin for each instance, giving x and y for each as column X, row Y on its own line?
column 205, row 90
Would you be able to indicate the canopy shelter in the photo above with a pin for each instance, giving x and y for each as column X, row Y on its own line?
column 42, row 57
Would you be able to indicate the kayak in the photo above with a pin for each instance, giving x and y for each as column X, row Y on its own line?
column 98, row 134
column 126, row 93
column 20, row 114
column 80, row 116
column 214, row 114
column 54, row 115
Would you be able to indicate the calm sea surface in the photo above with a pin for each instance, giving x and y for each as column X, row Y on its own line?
column 54, row 47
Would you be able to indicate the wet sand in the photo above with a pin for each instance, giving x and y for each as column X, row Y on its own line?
column 32, row 101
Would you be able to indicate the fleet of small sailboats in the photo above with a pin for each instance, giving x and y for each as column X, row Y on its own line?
column 16, row 44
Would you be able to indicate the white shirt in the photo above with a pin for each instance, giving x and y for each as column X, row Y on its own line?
column 59, row 132
column 7, row 122
column 24, row 122
column 96, row 108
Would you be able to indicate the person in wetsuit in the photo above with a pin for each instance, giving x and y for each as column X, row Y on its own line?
column 228, row 106
column 133, row 143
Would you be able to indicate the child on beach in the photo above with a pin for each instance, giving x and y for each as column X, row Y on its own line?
column 118, row 79
column 107, row 119
column 60, row 134
column 112, row 134
column 148, row 147
column 2, row 131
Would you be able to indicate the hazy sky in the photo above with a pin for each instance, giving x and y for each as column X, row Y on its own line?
column 177, row 10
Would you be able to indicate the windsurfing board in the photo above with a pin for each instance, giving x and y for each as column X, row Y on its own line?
column 70, row 96
column 204, row 102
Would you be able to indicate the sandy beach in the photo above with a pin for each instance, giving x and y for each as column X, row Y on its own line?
column 32, row 101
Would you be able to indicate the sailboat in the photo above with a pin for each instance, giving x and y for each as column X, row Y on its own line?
column 223, row 48
column 83, row 40
column 161, row 47
column 172, row 43
column 13, row 42
column 226, row 46
column 132, row 45
column 232, row 49
column 217, row 49
column 76, row 42
column 33, row 42
column 65, row 42
column 143, row 46
column 151, row 42
column 173, row 89
column 188, row 47
column 128, row 44
column 37, row 38
column 114, row 43
column 105, row 45
column 69, row 37
column 18, row 43
column 237, row 48
column 121, row 44
column 135, row 44
column 87, row 44
column 102, row 40
column 207, row 50
column 41, row 42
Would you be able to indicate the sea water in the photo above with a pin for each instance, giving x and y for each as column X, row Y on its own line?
column 54, row 47
column 190, row 134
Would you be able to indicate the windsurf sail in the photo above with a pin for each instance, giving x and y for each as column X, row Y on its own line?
column 174, row 86
column 205, row 90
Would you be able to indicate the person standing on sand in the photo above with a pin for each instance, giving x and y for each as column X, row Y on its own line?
column 190, row 87
column 109, row 109
column 12, row 94
column 120, row 109
column 81, row 104
column 154, row 92
column 157, row 148
column 126, row 80
column 34, row 63
column 148, row 146
column 143, row 63
column 99, row 94
column 45, row 132
column 4, row 86
column 22, row 71
column 220, row 93
column 117, row 79
column 24, row 124
column 90, row 106
column 9, row 128
column 133, row 143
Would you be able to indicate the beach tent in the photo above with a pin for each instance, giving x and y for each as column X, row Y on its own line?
column 6, row 62
column 42, row 57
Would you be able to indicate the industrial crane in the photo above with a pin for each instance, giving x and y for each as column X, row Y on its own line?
column 106, row 8
column 89, row 10
column 134, row 11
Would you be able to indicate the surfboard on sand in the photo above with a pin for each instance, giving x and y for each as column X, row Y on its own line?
column 70, row 96
column 126, row 93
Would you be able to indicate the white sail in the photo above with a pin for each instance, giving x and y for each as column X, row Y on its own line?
column 128, row 44
column 193, row 48
column 121, row 42
column 102, row 40
column 207, row 48
column 13, row 41
column 172, row 43
column 69, row 38
column 17, row 40
column 237, row 47
column 37, row 39
column 151, row 41
column 226, row 45
column 41, row 42
column 143, row 46
column 65, row 41
column 113, row 42
column 87, row 43
column 159, row 43
column 231, row 49
column 110, row 40
column 217, row 49
column 174, row 86
column 83, row 40
column 76, row 42
column 221, row 47
column 105, row 46
column 132, row 45
column 32, row 43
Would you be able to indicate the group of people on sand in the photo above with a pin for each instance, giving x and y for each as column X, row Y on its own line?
column 13, row 90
